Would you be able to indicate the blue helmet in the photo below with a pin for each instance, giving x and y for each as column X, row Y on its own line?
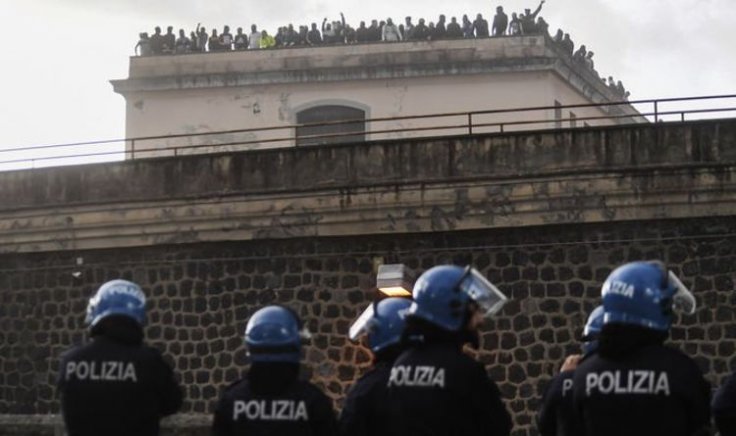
column 117, row 297
column 443, row 294
column 644, row 294
column 592, row 330
column 383, row 322
column 274, row 334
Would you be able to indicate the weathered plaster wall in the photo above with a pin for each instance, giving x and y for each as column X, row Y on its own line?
column 212, row 92
column 460, row 183
column 252, row 107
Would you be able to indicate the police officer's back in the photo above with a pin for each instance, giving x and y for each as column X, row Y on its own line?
column 635, row 385
column 271, row 400
column 434, row 388
column 115, row 385
column 724, row 407
column 365, row 411
column 556, row 414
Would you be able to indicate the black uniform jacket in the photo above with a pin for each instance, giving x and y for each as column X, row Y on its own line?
column 365, row 412
column 644, row 389
column 273, row 403
column 116, row 386
column 724, row 407
column 556, row 417
column 436, row 389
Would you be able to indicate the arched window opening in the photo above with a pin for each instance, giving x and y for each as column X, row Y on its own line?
column 353, row 130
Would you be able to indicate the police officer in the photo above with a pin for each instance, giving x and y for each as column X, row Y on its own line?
column 271, row 400
column 634, row 385
column 556, row 415
column 724, row 407
column 434, row 388
column 382, row 323
column 114, row 385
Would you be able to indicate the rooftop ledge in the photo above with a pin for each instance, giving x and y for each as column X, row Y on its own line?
column 380, row 60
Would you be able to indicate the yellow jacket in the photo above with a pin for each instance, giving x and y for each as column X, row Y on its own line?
column 267, row 41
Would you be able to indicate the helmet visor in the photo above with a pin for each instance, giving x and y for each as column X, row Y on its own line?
column 485, row 294
column 683, row 299
column 362, row 325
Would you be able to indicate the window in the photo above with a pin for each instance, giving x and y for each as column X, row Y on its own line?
column 353, row 131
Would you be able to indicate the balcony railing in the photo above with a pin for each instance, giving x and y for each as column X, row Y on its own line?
column 497, row 121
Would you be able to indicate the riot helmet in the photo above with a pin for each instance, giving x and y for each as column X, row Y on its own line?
column 443, row 296
column 592, row 330
column 645, row 294
column 117, row 297
column 382, row 323
column 274, row 334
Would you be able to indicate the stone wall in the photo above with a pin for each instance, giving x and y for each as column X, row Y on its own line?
column 201, row 295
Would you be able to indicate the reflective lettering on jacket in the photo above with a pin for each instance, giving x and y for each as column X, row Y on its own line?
column 273, row 410
column 417, row 376
column 566, row 386
column 642, row 382
column 101, row 371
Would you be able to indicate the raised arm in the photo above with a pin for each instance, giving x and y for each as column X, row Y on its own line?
column 539, row 8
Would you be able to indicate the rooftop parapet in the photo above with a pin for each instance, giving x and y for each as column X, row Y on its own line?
column 398, row 60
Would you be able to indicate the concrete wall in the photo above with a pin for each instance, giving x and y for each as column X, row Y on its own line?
column 223, row 109
column 458, row 183
column 203, row 93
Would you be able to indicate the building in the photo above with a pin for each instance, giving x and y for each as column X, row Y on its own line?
column 213, row 237
column 263, row 98
column 545, row 214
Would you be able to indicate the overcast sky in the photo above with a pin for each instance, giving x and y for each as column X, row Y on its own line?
column 58, row 55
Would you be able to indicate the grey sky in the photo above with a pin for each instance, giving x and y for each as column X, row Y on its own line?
column 59, row 54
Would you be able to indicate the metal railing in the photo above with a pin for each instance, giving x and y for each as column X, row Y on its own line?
column 403, row 127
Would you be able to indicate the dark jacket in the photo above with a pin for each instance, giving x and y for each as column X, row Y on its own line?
column 271, row 400
column 724, row 407
column 637, row 386
column 365, row 412
column 436, row 389
column 115, row 385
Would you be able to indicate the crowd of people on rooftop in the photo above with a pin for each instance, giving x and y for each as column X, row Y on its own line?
column 340, row 32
